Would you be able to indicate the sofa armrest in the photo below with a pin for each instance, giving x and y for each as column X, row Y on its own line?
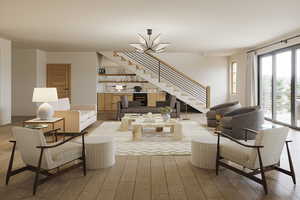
column 84, row 107
column 72, row 119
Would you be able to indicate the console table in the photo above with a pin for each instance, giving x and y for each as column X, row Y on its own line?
column 51, row 122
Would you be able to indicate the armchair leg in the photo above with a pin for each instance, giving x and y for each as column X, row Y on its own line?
column 291, row 163
column 11, row 161
column 83, row 156
column 262, row 172
column 37, row 173
column 218, row 156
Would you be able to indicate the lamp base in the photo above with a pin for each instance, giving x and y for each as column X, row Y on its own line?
column 45, row 112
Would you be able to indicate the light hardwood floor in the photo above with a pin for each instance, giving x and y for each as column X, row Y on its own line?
column 147, row 178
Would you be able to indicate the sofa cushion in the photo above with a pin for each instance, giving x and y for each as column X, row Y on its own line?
column 86, row 114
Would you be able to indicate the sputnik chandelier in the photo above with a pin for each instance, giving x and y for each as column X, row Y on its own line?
column 147, row 44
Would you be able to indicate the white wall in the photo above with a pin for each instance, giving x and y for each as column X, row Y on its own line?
column 241, row 60
column 41, row 67
column 5, row 81
column 207, row 70
column 83, row 74
column 24, row 76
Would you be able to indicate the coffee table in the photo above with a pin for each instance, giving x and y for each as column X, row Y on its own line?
column 139, row 125
column 127, row 120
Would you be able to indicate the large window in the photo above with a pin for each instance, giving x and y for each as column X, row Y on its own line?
column 233, row 78
column 279, row 78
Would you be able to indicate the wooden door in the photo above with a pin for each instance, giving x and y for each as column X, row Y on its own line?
column 59, row 76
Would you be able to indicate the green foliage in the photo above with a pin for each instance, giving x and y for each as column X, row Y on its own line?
column 166, row 110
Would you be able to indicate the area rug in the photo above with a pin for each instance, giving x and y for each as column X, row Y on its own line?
column 151, row 143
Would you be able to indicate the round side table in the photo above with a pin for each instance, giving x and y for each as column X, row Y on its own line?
column 100, row 152
column 204, row 151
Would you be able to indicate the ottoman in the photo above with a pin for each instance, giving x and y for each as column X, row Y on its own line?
column 100, row 152
column 204, row 151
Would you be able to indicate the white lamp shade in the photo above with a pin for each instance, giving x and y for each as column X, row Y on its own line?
column 119, row 87
column 44, row 95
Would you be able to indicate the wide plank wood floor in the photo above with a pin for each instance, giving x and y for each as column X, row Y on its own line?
column 148, row 178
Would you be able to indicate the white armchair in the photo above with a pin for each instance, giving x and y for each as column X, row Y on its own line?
column 77, row 117
column 261, row 156
column 41, row 157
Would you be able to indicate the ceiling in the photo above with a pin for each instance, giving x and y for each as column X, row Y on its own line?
column 190, row 26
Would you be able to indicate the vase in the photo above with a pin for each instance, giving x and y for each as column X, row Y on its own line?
column 166, row 116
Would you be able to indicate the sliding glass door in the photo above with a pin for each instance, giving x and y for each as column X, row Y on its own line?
column 282, row 87
column 297, row 88
column 279, row 88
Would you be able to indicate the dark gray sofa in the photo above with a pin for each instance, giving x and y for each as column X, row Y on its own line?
column 220, row 109
column 125, row 106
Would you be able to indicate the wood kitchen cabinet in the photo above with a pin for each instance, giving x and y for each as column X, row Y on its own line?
column 152, row 98
column 109, row 101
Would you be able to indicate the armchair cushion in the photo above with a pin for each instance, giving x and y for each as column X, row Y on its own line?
column 235, row 152
column 66, row 153
column 271, row 138
column 27, row 141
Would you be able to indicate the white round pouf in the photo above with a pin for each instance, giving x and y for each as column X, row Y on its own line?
column 100, row 152
column 204, row 152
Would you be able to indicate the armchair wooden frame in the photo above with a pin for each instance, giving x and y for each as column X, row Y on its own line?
column 262, row 169
column 38, row 170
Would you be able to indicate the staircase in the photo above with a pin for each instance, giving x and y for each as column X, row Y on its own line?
column 164, row 76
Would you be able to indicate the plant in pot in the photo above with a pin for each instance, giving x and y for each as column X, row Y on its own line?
column 166, row 113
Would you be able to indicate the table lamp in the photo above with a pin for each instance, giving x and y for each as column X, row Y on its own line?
column 119, row 88
column 44, row 95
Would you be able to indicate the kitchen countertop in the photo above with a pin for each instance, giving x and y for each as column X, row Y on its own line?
column 128, row 92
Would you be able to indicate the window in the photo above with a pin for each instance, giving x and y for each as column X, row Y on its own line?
column 233, row 78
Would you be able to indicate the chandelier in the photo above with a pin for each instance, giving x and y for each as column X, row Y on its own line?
column 147, row 44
